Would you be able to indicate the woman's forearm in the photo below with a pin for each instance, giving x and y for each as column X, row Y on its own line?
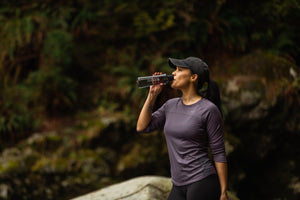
column 146, row 112
column 222, row 173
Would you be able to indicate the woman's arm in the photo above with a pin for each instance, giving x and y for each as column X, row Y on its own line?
column 217, row 145
column 222, row 173
column 146, row 113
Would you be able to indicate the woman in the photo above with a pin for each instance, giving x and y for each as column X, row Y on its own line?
column 191, row 124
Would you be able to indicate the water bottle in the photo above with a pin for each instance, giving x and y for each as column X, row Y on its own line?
column 147, row 81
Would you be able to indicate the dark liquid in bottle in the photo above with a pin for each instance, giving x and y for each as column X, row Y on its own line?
column 147, row 81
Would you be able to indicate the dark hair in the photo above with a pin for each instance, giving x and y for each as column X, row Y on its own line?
column 209, row 89
column 213, row 93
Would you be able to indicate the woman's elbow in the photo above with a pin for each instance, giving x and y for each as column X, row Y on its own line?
column 139, row 129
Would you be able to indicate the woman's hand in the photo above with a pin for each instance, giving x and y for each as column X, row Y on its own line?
column 224, row 196
column 156, row 88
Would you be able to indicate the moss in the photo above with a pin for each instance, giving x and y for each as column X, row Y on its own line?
column 60, row 165
column 51, row 165
column 31, row 158
column 296, row 83
column 40, row 164
column 9, row 166
column 82, row 140
column 54, row 138
column 139, row 154
column 262, row 64
column 44, row 142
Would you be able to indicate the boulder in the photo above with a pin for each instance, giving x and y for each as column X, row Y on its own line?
column 141, row 188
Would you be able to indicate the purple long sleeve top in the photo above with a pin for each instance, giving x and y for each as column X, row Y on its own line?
column 189, row 131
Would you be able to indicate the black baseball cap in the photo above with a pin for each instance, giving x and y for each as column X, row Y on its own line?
column 196, row 65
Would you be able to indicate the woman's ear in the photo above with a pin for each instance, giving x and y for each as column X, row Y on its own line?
column 194, row 77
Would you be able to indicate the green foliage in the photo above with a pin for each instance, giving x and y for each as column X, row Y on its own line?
column 281, row 16
column 35, row 64
column 126, row 40
column 146, row 25
column 51, row 90
column 265, row 24
column 14, row 33
column 58, row 46
column 15, row 116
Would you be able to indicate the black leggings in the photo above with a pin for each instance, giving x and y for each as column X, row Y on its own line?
column 205, row 189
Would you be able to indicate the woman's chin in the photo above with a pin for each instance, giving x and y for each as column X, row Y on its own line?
column 173, row 86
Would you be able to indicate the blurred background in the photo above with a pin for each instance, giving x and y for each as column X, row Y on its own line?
column 69, row 100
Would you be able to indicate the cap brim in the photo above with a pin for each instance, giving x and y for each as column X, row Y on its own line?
column 177, row 62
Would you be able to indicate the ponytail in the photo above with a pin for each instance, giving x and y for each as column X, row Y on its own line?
column 213, row 93
column 210, row 90
column 206, row 87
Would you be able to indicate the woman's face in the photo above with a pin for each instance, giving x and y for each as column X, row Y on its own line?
column 182, row 78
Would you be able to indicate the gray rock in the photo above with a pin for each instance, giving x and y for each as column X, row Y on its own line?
column 141, row 188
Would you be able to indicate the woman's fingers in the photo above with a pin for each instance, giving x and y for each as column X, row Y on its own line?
column 156, row 88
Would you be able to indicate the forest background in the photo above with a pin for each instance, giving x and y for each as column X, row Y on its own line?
column 69, row 101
